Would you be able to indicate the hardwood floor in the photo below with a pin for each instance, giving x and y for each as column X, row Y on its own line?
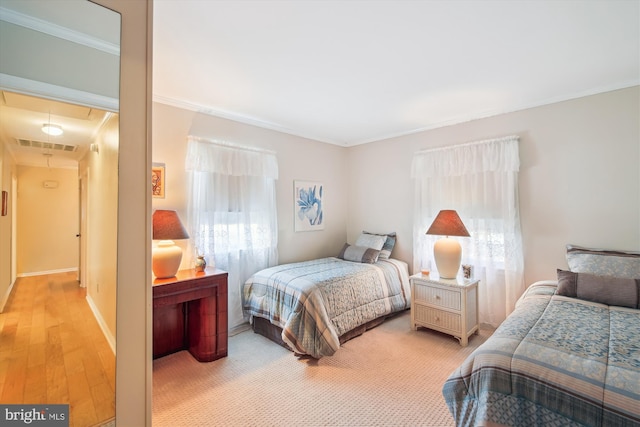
column 53, row 351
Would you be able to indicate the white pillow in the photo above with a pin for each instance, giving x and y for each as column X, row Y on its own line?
column 603, row 262
column 372, row 241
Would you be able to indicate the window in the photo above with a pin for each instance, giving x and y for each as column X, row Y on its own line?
column 232, row 211
column 480, row 181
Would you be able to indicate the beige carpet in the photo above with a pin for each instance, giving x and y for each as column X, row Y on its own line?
column 390, row 376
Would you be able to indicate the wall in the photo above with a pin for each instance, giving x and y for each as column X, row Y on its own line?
column 47, row 220
column 298, row 159
column 101, row 171
column 578, row 159
column 7, row 171
column 579, row 178
column 59, row 62
column 134, row 301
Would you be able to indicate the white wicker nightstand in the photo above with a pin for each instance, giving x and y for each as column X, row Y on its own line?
column 445, row 305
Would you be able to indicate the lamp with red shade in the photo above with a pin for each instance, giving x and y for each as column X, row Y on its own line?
column 447, row 252
column 167, row 256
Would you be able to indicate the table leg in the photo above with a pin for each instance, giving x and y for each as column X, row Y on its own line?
column 202, row 328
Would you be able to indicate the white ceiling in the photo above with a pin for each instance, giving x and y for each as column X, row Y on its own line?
column 349, row 72
column 24, row 109
column 21, row 120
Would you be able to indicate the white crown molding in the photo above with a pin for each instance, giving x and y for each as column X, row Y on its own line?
column 58, row 31
column 454, row 121
column 189, row 106
column 57, row 93
column 497, row 112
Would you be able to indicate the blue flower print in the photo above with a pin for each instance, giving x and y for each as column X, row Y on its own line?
column 310, row 205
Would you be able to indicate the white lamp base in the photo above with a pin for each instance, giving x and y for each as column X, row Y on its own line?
column 166, row 258
column 448, row 254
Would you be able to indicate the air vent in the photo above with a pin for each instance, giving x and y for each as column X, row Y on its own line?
column 27, row 143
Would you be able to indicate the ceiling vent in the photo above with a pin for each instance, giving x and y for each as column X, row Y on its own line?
column 27, row 143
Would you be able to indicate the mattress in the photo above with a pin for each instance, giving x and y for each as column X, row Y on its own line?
column 316, row 302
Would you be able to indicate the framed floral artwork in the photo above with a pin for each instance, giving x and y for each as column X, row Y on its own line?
column 157, row 180
column 308, row 208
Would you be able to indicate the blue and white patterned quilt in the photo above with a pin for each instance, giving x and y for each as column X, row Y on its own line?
column 315, row 302
column 554, row 361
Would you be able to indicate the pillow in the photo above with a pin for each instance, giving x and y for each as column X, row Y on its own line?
column 389, row 243
column 603, row 262
column 374, row 241
column 359, row 254
column 603, row 289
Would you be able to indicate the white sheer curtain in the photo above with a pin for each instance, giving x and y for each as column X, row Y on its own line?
column 232, row 211
column 480, row 181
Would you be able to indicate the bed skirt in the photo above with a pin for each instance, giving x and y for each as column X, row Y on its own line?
column 273, row 332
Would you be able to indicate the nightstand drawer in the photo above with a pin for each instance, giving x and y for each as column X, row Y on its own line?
column 440, row 319
column 446, row 305
column 437, row 296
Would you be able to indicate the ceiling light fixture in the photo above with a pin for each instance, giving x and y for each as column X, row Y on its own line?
column 53, row 130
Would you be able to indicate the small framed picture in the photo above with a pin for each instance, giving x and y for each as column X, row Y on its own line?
column 158, row 180
column 467, row 271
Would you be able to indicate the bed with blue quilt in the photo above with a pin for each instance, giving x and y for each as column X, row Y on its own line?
column 311, row 307
column 569, row 354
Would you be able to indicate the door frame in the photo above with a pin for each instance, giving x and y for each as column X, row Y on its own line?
column 83, row 237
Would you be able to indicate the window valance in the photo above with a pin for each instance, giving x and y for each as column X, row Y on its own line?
column 204, row 155
column 495, row 155
column 480, row 181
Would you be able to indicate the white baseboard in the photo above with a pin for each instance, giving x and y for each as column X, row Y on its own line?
column 240, row 328
column 5, row 297
column 40, row 273
column 103, row 326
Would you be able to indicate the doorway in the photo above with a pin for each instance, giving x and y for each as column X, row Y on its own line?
column 86, row 45
column 45, row 225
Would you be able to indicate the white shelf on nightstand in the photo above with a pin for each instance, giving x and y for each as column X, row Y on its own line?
column 445, row 305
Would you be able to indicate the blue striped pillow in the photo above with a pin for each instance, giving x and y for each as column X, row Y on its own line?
column 387, row 247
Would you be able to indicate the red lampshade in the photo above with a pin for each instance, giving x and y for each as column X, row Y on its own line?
column 167, row 226
column 448, row 223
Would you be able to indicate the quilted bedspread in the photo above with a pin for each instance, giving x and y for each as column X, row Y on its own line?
column 314, row 302
column 554, row 361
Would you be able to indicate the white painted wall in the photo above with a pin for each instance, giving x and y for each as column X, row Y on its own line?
column 579, row 177
column 298, row 159
column 47, row 220
column 7, row 261
column 56, row 61
column 134, row 317
column 101, row 234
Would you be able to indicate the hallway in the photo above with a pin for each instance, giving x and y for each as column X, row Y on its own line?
column 53, row 351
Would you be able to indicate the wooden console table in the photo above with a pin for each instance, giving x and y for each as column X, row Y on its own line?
column 190, row 313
